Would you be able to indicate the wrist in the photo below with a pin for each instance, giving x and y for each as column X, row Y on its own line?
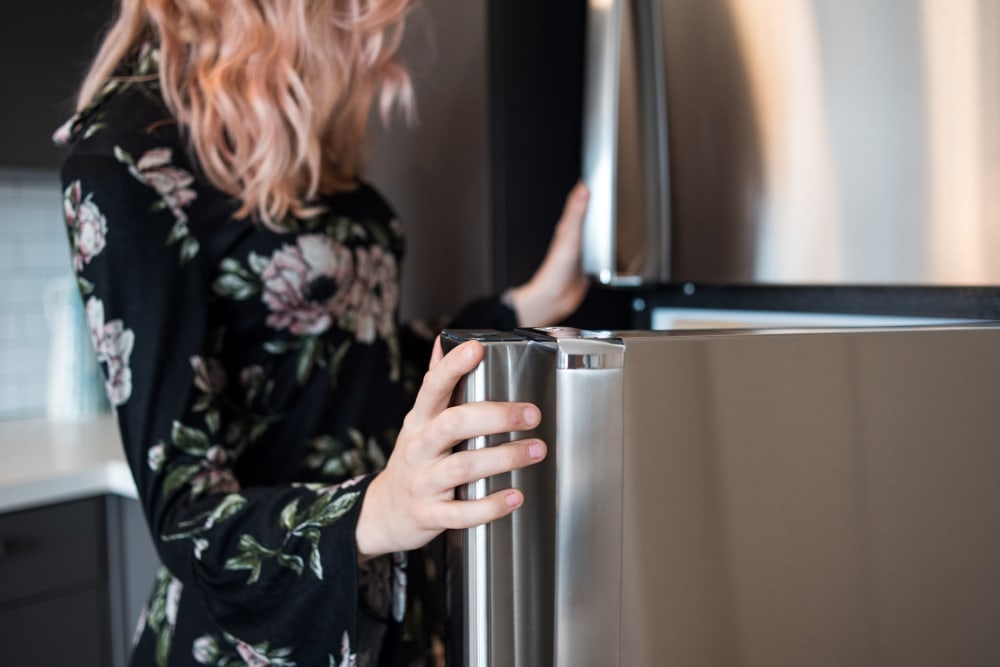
column 528, row 304
column 368, row 535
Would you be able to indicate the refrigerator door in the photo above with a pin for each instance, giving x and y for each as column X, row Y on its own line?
column 811, row 498
column 793, row 141
column 752, row 498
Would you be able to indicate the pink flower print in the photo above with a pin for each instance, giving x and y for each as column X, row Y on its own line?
column 376, row 294
column 205, row 650
column 212, row 480
column 174, row 590
column 156, row 456
column 251, row 656
column 209, row 375
column 307, row 285
column 155, row 169
column 347, row 659
column 113, row 344
column 88, row 226
column 64, row 134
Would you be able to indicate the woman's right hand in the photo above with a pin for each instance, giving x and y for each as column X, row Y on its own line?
column 413, row 499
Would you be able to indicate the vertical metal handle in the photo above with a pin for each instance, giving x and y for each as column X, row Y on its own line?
column 647, row 255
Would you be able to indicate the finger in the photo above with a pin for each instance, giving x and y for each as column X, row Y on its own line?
column 456, row 514
column 471, row 420
column 436, row 354
column 569, row 230
column 469, row 466
column 576, row 204
column 439, row 382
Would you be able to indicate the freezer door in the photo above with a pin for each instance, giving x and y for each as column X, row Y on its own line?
column 814, row 498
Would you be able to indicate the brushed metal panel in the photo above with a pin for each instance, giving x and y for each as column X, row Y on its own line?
column 811, row 141
column 821, row 498
column 503, row 573
column 589, row 503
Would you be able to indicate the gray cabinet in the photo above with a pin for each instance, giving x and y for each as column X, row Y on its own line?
column 73, row 579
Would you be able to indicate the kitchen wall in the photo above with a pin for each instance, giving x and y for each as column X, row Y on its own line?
column 33, row 252
column 435, row 174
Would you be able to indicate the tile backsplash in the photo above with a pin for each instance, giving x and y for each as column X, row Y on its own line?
column 33, row 254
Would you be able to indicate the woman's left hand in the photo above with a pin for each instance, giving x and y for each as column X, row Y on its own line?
column 559, row 285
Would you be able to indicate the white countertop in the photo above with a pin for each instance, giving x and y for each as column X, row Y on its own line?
column 43, row 462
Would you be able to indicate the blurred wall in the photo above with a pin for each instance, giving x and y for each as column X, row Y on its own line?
column 436, row 174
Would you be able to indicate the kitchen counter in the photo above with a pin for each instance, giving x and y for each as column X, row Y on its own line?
column 44, row 462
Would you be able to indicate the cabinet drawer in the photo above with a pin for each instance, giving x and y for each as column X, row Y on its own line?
column 65, row 630
column 51, row 548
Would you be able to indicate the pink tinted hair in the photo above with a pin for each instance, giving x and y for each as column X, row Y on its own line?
column 274, row 95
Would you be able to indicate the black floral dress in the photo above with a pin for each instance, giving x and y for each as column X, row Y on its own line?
column 259, row 380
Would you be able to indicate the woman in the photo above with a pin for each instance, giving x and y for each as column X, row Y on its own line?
column 241, row 286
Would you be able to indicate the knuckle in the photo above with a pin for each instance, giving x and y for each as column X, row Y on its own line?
column 461, row 469
column 450, row 422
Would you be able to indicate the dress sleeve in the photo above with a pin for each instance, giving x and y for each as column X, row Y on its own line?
column 272, row 564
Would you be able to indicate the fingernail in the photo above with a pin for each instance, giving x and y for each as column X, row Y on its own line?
column 531, row 416
column 536, row 450
column 470, row 352
column 513, row 499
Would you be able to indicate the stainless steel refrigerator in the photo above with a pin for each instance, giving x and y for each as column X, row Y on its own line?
column 741, row 498
column 770, row 480
column 793, row 141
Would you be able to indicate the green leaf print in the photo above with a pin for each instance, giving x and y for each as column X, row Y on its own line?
column 308, row 359
column 228, row 507
column 288, row 515
column 189, row 440
column 93, row 129
column 232, row 286
column 290, row 561
column 123, row 156
column 179, row 477
column 163, row 639
column 213, row 420
column 278, row 346
column 336, row 359
column 85, row 286
column 252, row 557
column 306, row 524
column 257, row 262
column 315, row 562
column 189, row 248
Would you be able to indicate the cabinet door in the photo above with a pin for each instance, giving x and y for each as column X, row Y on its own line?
column 132, row 562
column 48, row 550
column 63, row 630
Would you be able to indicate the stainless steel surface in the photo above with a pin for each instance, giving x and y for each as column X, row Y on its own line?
column 823, row 498
column 588, row 552
column 502, row 607
column 747, row 498
column 625, row 145
column 811, row 141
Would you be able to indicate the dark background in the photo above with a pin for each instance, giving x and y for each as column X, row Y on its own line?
column 45, row 47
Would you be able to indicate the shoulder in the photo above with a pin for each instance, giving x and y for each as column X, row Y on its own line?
column 363, row 201
column 128, row 117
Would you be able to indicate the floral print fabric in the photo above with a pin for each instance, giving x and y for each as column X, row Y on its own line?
column 259, row 379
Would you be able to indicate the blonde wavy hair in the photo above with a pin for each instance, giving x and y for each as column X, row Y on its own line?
column 274, row 96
